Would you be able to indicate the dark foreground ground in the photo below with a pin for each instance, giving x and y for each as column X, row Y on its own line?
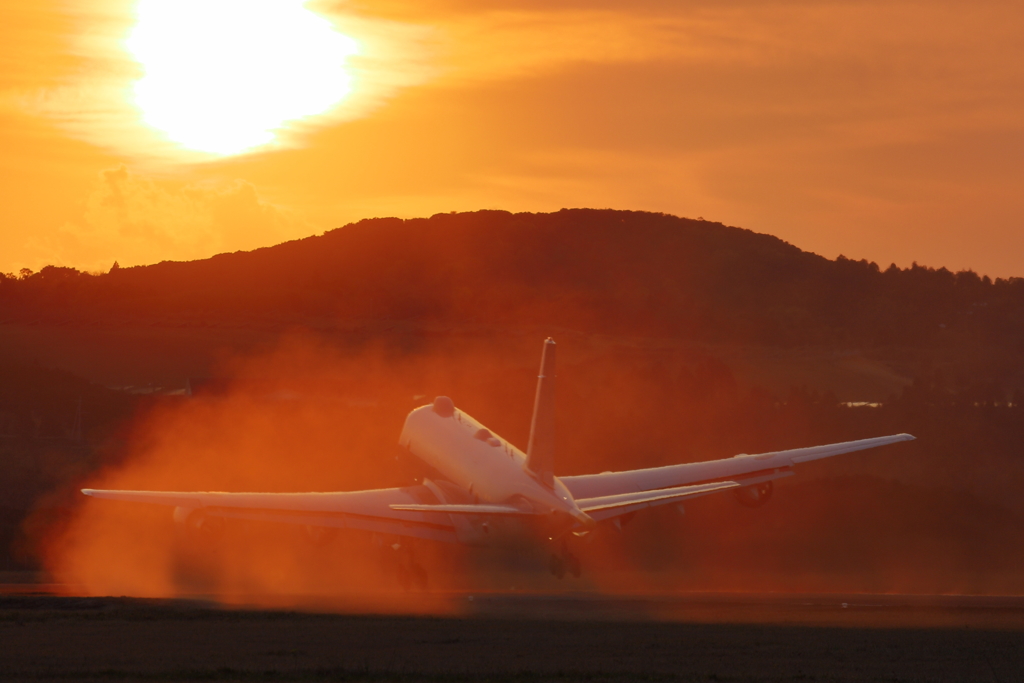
column 574, row 637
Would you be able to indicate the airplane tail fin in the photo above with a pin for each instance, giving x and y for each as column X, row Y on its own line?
column 540, row 453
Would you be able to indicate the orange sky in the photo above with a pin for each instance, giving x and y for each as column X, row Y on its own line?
column 890, row 131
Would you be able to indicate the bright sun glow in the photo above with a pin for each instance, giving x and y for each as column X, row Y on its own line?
column 221, row 76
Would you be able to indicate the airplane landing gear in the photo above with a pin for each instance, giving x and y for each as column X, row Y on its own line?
column 562, row 562
column 556, row 565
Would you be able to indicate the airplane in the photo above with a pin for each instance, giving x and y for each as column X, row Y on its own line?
column 484, row 484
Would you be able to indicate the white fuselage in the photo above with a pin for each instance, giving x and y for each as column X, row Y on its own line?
column 488, row 467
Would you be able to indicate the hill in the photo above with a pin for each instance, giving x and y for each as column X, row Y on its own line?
column 617, row 273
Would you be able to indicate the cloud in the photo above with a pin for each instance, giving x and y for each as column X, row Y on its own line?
column 135, row 219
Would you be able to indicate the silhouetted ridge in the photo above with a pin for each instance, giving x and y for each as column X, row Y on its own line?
column 593, row 270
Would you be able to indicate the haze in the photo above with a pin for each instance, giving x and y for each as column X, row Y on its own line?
column 887, row 131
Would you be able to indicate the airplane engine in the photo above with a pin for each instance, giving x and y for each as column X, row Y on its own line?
column 755, row 495
column 196, row 525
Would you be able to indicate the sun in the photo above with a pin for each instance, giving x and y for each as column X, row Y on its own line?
column 226, row 76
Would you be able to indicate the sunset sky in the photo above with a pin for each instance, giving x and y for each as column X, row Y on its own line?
column 146, row 130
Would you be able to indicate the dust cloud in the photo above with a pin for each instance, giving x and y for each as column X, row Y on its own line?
column 299, row 418
column 315, row 416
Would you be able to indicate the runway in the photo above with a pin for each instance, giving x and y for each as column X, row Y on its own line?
column 515, row 637
column 921, row 611
column 830, row 609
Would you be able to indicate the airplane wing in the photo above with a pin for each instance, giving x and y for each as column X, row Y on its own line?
column 471, row 509
column 605, row 507
column 397, row 511
column 743, row 470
